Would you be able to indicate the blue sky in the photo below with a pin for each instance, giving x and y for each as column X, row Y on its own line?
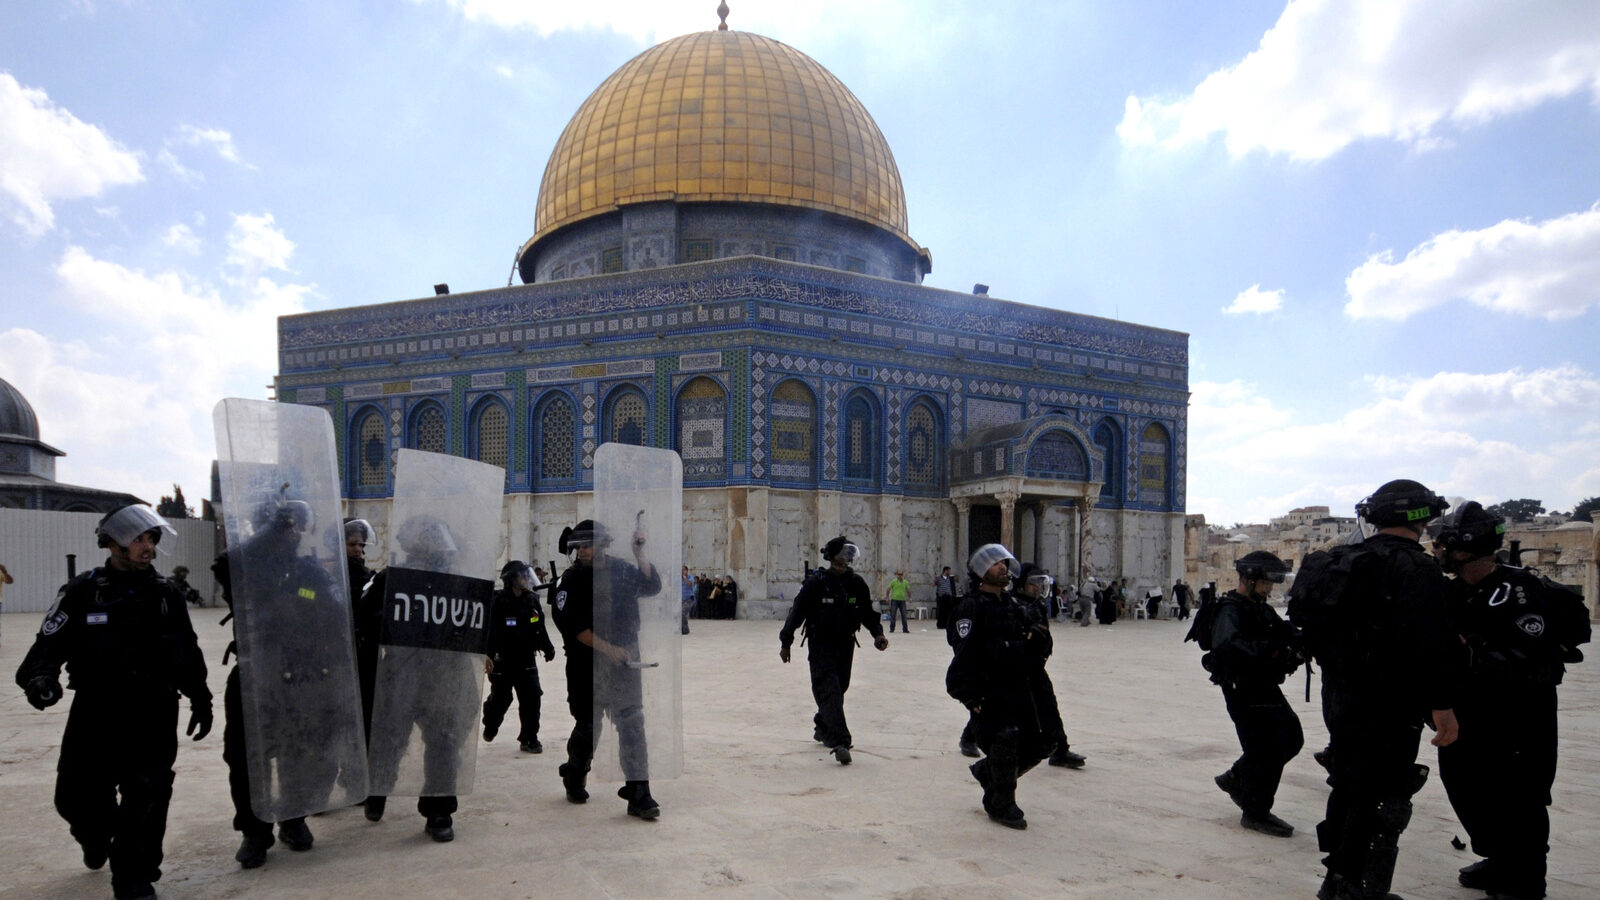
column 1377, row 219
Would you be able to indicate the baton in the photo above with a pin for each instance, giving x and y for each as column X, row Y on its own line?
column 636, row 664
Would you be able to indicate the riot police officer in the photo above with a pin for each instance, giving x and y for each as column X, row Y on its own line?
column 999, row 652
column 832, row 605
column 1520, row 630
column 1035, row 583
column 1252, row 650
column 1389, row 664
column 517, row 635
column 124, row 635
column 300, row 612
column 582, row 637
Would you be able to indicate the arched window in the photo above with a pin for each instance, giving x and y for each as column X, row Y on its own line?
column 1057, row 454
column 1108, row 442
column 491, row 433
column 924, row 460
column 702, row 429
column 793, row 413
column 860, row 440
column 628, row 419
column 1155, row 471
column 555, row 440
column 428, row 431
column 368, row 451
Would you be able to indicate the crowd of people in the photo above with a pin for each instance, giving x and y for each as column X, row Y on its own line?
column 1460, row 640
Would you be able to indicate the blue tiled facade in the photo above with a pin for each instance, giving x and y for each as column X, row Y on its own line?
column 907, row 385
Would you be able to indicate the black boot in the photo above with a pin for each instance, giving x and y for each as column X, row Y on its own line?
column 1065, row 757
column 1266, row 823
column 253, row 850
column 640, row 803
column 374, row 807
column 440, row 828
column 573, row 781
column 296, row 836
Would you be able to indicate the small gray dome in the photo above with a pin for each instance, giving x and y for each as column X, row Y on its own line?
column 16, row 415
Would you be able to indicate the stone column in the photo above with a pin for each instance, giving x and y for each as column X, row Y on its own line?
column 1038, row 534
column 747, row 544
column 1008, row 516
column 1080, row 516
column 963, row 507
column 1591, row 580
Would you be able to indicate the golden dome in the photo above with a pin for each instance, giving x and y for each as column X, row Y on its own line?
column 722, row 116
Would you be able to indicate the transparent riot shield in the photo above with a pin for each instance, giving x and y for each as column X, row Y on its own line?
column 638, row 507
column 444, row 538
column 299, row 694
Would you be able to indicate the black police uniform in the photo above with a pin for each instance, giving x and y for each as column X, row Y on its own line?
column 438, row 727
column 999, row 654
column 1252, row 652
column 573, row 609
column 129, row 649
column 1498, row 774
column 517, row 635
column 831, row 607
column 304, row 619
column 1393, row 660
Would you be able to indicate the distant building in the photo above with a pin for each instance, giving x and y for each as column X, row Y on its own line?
column 28, row 466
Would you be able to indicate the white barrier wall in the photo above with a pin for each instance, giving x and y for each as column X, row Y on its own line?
column 34, row 545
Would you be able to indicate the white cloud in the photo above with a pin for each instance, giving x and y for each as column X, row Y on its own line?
column 1479, row 435
column 1255, row 300
column 255, row 244
column 48, row 155
column 1549, row 269
column 171, row 163
column 1328, row 74
column 215, row 138
column 182, row 237
column 132, row 407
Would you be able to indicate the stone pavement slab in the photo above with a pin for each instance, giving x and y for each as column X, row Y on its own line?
column 763, row 812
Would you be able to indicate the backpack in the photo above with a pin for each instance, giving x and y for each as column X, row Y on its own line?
column 1204, row 618
column 1567, row 616
column 1328, row 580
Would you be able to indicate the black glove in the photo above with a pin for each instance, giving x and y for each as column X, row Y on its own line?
column 199, row 720
column 43, row 691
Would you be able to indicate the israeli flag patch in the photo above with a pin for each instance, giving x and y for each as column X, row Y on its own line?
column 95, row 618
column 512, row 622
column 963, row 627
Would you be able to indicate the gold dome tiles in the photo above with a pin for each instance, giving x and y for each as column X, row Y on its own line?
column 722, row 116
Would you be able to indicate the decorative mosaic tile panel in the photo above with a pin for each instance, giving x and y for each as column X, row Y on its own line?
column 458, row 412
column 983, row 413
column 702, row 429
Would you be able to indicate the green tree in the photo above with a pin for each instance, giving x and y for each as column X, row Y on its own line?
column 174, row 507
column 1582, row 510
column 1518, row 510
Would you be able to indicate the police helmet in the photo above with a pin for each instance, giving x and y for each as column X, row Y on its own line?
column 1035, row 576
column 989, row 554
column 841, row 549
column 1401, row 502
column 1259, row 564
column 513, row 570
column 359, row 528
column 1470, row 528
column 425, row 536
column 127, row 523
column 587, row 533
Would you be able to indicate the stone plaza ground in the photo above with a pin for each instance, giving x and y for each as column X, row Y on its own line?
column 762, row 811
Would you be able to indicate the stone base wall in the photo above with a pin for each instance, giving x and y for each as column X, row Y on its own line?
column 764, row 537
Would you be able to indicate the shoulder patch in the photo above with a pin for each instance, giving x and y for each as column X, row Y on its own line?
column 54, row 621
column 963, row 627
column 1531, row 624
column 561, row 600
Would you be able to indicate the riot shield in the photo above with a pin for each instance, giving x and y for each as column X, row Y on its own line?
column 638, row 505
column 299, row 694
column 444, row 535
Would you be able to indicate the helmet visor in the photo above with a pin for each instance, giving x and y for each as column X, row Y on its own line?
column 129, row 522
